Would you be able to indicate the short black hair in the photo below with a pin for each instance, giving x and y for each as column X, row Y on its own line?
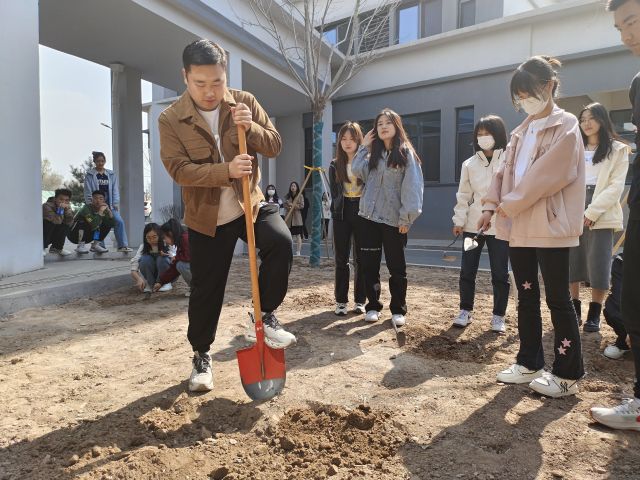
column 533, row 75
column 97, row 155
column 203, row 52
column 613, row 5
column 62, row 191
column 97, row 192
column 496, row 127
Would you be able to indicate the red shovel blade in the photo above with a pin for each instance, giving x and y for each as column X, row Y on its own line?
column 259, row 385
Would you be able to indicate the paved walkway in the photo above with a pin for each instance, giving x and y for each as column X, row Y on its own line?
column 75, row 276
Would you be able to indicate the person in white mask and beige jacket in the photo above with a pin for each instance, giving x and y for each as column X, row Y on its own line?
column 490, row 140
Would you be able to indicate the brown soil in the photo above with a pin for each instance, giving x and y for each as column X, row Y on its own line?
column 96, row 389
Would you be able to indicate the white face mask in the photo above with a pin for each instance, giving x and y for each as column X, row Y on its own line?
column 271, row 192
column 486, row 142
column 533, row 105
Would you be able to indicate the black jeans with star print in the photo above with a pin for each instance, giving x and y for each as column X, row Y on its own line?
column 554, row 267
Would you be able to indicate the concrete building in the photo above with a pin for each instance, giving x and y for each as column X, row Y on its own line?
column 442, row 65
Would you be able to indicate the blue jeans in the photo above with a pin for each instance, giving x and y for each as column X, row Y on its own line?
column 121, row 234
column 151, row 266
column 185, row 270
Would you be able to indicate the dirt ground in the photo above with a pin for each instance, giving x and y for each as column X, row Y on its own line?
column 96, row 389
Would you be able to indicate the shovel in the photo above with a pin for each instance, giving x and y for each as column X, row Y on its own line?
column 447, row 256
column 472, row 242
column 262, row 368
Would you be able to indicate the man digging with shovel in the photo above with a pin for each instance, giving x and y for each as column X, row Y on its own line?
column 199, row 149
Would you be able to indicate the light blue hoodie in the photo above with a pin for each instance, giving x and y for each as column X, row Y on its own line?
column 392, row 196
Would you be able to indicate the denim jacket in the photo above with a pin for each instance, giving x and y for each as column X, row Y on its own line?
column 91, row 185
column 392, row 196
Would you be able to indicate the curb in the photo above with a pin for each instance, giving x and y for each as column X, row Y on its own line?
column 61, row 293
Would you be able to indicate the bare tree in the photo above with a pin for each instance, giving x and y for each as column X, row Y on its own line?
column 323, row 58
column 50, row 180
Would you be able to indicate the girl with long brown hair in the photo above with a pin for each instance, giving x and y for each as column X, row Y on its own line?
column 391, row 201
column 346, row 190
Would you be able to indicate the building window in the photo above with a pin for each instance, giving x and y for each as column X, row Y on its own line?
column 621, row 120
column 408, row 25
column 466, row 13
column 374, row 30
column 432, row 17
column 331, row 36
column 464, row 136
column 423, row 129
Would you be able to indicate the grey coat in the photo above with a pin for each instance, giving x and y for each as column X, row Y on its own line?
column 392, row 196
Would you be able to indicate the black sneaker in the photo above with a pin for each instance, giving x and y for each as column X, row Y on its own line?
column 201, row 379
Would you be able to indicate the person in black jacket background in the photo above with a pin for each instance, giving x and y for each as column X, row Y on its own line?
column 345, row 202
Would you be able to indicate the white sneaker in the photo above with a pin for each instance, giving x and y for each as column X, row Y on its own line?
column 552, row 386
column 359, row 308
column 45, row 251
column 187, row 293
column 201, row 379
column 518, row 374
column 398, row 319
column 97, row 248
column 167, row 287
column 341, row 309
column 147, row 290
column 614, row 353
column 497, row 324
column 82, row 248
column 125, row 249
column 61, row 252
column 274, row 335
column 372, row 316
column 463, row 319
column 625, row 416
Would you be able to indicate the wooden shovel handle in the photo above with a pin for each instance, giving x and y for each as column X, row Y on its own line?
column 251, row 242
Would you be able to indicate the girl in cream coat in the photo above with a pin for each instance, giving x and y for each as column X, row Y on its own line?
column 490, row 141
column 607, row 161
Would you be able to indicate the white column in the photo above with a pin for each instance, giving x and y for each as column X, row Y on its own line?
column 234, row 75
column 21, row 241
column 164, row 191
column 126, row 117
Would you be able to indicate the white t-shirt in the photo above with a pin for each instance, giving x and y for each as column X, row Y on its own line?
column 591, row 171
column 525, row 156
column 229, row 208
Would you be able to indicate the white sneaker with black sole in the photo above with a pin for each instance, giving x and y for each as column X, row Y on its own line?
column 463, row 319
column 201, row 379
column 341, row 309
column 359, row 308
column 625, row 416
column 614, row 352
column 497, row 324
column 372, row 316
column 553, row 386
column 518, row 374
column 274, row 335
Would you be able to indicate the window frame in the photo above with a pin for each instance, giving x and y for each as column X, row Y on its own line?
column 460, row 4
column 458, row 160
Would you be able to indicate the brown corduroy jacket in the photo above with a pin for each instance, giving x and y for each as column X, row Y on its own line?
column 190, row 155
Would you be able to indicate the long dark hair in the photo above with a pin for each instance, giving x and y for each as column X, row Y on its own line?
column 341, row 156
column 606, row 134
column 275, row 195
column 495, row 126
column 532, row 76
column 290, row 195
column 146, row 249
column 401, row 145
column 173, row 228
